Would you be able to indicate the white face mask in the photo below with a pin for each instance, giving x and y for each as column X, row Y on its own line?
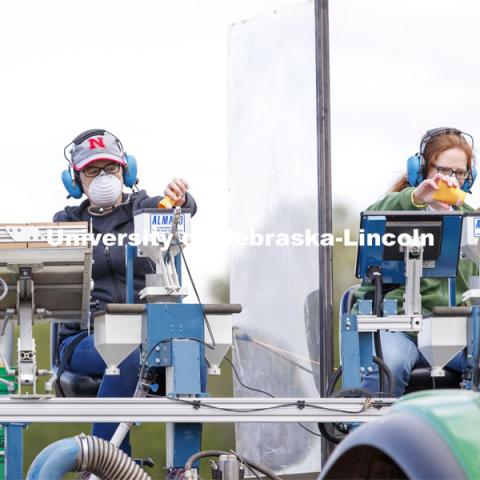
column 105, row 190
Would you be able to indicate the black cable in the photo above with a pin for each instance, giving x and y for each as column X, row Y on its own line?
column 340, row 410
column 238, row 378
column 333, row 381
column 323, row 427
column 243, row 384
column 351, row 392
column 197, row 404
column 210, row 333
column 255, row 466
column 382, row 366
column 265, row 393
column 379, row 354
column 327, row 435
column 376, row 275
column 273, row 396
column 308, row 430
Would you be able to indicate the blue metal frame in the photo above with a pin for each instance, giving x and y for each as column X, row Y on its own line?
column 174, row 333
column 350, row 352
column 14, row 450
column 357, row 348
column 130, row 254
column 473, row 337
column 452, row 292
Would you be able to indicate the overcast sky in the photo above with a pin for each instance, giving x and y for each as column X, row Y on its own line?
column 155, row 74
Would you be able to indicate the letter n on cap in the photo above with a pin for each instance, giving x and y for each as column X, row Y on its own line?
column 96, row 143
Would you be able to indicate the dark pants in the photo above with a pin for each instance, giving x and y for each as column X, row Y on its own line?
column 85, row 359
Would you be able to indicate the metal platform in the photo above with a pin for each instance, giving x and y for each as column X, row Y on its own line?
column 205, row 410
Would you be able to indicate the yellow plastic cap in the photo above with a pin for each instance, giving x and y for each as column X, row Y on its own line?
column 451, row 195
column 165, row 202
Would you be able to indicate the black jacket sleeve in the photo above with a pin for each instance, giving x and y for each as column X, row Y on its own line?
column 61, row 216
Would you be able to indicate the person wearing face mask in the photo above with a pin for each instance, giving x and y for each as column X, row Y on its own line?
column 100, row 169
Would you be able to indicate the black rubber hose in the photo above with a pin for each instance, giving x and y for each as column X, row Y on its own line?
column 333, row 381
column 381, row 366
column 388, row 373
column 4, row 286
column 322, row 427
column 327, row 435
column 352, row 393
column 216, row 453
column 377, row 310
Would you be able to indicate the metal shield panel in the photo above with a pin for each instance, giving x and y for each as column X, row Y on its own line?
column 273, row 195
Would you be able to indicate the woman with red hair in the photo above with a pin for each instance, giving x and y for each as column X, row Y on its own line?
column 445, row 154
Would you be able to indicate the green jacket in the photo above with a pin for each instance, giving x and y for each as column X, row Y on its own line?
column 434, row 290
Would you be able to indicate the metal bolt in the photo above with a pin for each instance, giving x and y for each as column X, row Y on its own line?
column 157, row 348
column 362, row 369
column 157, row 360
column 369, row 369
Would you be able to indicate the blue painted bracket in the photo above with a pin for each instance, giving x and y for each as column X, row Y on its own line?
column 130, row 254
column 350, row 352
column 358, row 347
column 366, row 339
column 179, row 324
column 452, row 292
column 187, row 440
column 186, row 378
column 14, row 450
column 473, row 337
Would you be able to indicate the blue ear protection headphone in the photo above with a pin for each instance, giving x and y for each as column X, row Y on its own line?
column 71, row 178
column 416, row 163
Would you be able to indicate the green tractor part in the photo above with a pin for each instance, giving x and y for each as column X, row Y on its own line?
column 429, row 434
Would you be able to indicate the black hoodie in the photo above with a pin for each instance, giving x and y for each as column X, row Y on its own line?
column 108, row 270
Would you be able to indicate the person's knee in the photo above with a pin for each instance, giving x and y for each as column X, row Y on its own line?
column 399, row 353
column 398, row 364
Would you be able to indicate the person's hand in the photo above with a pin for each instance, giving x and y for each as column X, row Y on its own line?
column 424, row 192
column 177, row 190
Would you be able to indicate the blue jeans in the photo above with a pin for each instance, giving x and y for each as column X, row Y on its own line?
column 401, row 354
column 85, row 359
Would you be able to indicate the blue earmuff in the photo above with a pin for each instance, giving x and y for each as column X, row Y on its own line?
column 130, row 171
column 72, row 185
column 71, row 179
column 415, row 170
column 416, row 163
column 468, row 184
